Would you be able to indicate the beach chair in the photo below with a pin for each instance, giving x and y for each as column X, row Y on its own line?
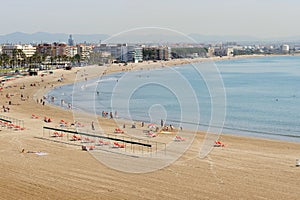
column 151, row 134
column 17, row 128
column 57, row 134
column 118, row 130
column 101, row 142
column 33, row 116
column 118, row 145
column 179, row 138
column 87, row 148
column 219, row 144
column 10, row 126
column 88, row 140
column 75, row 138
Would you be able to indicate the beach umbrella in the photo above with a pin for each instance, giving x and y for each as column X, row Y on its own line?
column 151, row 125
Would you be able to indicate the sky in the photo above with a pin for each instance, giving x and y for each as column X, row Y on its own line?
column 259, row 18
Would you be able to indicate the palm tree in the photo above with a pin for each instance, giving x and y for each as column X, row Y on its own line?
column 77, row 58
column 36, row 60
column 18, row 57
column 5, row 59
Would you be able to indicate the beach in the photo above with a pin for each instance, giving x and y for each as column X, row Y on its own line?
column 246, row 168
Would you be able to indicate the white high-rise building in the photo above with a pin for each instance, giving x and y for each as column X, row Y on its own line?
column 285, row 48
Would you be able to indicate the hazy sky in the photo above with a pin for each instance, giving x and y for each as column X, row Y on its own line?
column 262, row 18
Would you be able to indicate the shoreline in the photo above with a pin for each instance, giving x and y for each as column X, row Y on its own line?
column 245, row 168
column 230, row 130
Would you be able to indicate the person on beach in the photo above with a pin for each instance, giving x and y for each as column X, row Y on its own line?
column 93, row 127
column 171, row 127
column 161, row 123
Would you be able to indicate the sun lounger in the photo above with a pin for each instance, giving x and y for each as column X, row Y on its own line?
column 33, row 116
column 75, row 138
column 151, row 134
column 218, row 144
column 179, row 138
column 101, row 142
column 89, row 140
column 57, row 134
column 117, row 130
column 118, row 145
column 87, row 148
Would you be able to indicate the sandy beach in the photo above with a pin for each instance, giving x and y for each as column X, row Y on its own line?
column 246, row 168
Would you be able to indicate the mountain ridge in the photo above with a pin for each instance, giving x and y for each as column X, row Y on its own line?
column 38, row 37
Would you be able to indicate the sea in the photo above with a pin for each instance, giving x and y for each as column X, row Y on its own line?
column 256, row 97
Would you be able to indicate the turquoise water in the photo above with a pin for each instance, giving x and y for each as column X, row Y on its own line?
column 261, row 96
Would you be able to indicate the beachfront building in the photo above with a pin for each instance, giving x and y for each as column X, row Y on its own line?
column 28, row 50
column 285, row 48
column 55, row 49
column 71, row 51
column 11, row 50
column 84, row 51
column 138, row 54
column 61, row 49
column 157, row 53
column 210, row 52
column 121, row 52
column 164, row 53
column 220, row 51
column 46, row 49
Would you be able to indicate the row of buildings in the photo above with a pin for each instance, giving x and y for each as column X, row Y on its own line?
column 117, row 52
column 103, row 53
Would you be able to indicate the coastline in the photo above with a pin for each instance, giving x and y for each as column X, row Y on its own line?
column 245, row 164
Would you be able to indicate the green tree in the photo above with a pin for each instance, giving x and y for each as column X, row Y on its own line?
column 77, row 58
column 4, row 59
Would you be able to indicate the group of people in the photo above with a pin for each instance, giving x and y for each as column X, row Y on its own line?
column 41, row 101
column 168, row 128
column 110, row 114
column 5, row 109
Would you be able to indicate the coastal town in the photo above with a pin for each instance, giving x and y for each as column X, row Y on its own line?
column 39, row 56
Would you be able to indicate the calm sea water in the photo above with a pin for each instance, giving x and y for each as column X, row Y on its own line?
column 261, row 96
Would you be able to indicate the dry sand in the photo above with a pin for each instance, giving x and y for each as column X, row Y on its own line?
column 246, row 168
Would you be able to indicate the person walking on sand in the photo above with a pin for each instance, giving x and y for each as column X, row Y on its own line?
column 93, row 127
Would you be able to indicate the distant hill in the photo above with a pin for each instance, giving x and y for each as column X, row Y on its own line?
column 19, row 37
column 144, row 36
column 223, row 38
column 241, row 39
